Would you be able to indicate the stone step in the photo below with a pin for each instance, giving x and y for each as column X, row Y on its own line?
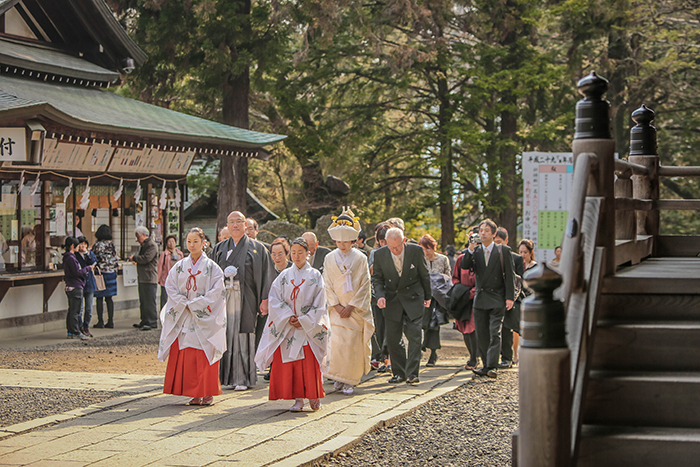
column 647, row 345
column 623, row 446
column 662, row 399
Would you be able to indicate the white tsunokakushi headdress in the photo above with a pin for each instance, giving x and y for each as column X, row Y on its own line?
column 345, row 227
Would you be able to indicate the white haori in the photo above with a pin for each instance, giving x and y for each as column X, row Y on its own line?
column 195, row 312
column 301, row 293
column 350, row 337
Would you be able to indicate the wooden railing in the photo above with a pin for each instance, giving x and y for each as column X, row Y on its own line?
column 614, row 215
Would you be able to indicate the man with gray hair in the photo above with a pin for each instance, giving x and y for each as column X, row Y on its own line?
column 147, row 269
column 402, row 286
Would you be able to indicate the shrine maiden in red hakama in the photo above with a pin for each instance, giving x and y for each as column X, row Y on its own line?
column 194, row 325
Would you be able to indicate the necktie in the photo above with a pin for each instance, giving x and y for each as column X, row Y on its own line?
column 397, row 264
column 486, row 256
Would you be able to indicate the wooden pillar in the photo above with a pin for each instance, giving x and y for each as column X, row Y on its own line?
column 593, row 135
column 544, row 438
column 625, row 222
column 643, row 151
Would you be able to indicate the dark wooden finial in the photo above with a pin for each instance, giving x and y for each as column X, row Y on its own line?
column 543, row 319
column 592, row 112
column 643, row 134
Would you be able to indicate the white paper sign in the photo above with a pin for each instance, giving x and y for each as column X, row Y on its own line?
column 13, row 144
column 129, row 275
column 547, row 179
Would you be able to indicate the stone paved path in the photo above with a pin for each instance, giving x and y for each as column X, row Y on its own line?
column 241, row 429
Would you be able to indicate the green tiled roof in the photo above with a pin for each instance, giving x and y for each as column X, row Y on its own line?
column 47, row 60
column 100, row 110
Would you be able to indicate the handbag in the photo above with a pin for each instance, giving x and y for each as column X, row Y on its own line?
column 99, row 279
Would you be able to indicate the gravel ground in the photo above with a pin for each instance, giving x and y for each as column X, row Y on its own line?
column 471, row 426
column 131, row 352
column 23, row 404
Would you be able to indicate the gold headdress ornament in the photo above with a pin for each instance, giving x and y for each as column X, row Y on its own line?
column 345, row 227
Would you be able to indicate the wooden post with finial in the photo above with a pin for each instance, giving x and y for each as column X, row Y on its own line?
column 593, row 135
column 643, row 151
column 544, row 438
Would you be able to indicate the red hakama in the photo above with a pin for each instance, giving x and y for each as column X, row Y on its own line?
column 190, row 374
column 300, row 379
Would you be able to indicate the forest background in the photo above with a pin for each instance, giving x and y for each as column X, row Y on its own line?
column 421, row 106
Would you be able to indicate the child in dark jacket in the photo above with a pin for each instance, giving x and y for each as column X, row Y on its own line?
column 75, row 283
column 86, row 257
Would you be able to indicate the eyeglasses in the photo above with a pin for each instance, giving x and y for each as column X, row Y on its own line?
column 277, row 255
column 236, row 222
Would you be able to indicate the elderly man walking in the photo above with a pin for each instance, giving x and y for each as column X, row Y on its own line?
column 147, row 269
column 317, row 254
column 402, row 286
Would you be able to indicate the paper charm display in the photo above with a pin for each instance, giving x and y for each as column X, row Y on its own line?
column 67, row 190
column 85, row 200
column 35, row 185
column 21, row 183
column 137, row 193
column 163, row 197
column 118, row 193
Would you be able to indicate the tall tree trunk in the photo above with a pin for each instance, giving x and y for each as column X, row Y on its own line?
column 447, row 219
column 509, row 181
column 233, row 178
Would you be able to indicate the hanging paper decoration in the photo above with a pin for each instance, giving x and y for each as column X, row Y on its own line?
column 137, row 193
column 85, row 200
column 67, row 190
column 178, row 195
column 35, row 185
column 118, row 193
column 21, row 183
column 163, row 197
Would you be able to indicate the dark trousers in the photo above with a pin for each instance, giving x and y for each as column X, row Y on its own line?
column 472, row 347
column 488, row 334
column 100, row 309
column 506, row 345
column 401, row 365
column 163, row 297
column 75, row 308
column 259, row 328
column 148, row 304
column 379, row 349
column 87, row 296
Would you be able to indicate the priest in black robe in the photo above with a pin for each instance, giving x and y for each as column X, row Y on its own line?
column 247, row 300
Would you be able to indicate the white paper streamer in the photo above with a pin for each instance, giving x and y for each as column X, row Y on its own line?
column 178, row 195
column 163, row 197
column 35, row 186
column 21, row 183
column 85, row 200
column 67, row 190
column 137, row 193
column 118, row 193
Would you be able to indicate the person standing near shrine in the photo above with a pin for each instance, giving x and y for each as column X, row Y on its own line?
column 349, row 293
column 296, row 338
column 193, row 338
column 247, row 304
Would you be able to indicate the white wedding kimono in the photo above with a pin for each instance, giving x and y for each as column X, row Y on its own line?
column 195, row 312
column 348, row 282
column 295, row 292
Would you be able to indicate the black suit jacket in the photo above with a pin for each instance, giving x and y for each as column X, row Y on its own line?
column 491, row 290
column 407, row 292
column 321, row 253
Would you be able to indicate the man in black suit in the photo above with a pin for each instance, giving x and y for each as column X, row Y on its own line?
column 495, row 290
column 317, row 254
column 402, row 286
column 511, row 322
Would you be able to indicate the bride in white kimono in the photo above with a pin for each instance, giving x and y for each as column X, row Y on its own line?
column 349, row 292
column 295, row 339
column 193, row 337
